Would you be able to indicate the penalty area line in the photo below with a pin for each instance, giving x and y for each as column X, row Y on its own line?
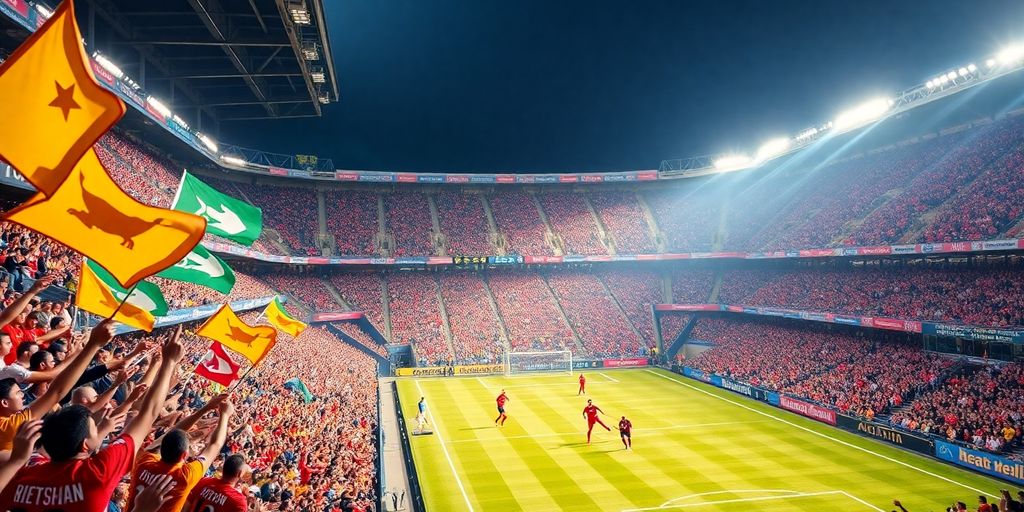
column 444, row 448
column 737, row 500
column 605, row 375
column 819, row 434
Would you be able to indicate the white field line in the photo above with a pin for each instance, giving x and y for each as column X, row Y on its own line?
column 433, row 420
column 738, row 500
column 607, row 377
column 563, row 434
column 730, row 491
column 866, row 504
column 819, row 434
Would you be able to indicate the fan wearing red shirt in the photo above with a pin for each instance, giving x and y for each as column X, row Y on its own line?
column 590, row 412
column 583, row 386
column 502, row 398
column 79, row 478
column 626, row 433
column 220, row 494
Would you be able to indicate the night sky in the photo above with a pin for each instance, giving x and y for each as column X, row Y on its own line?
column 553, row 85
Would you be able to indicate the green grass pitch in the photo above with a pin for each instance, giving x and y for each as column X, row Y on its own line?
column 696, row 447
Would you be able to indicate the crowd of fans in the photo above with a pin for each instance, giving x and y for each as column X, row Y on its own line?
column 476, row 334
column 290, row 211
column 464, row 222
column 687, row 216
column 601, row 325
column 517, row 218
column 959, row 294
column 353, row 331
column 352, row 219
column 308, row 288
column 362, row 291
column 637, row 292
column 625, row 221
column 416, row 317
column 530, row 312
column 571, row 218
column 409, row 223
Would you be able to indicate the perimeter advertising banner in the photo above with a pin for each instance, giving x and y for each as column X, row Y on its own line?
column 447, row 371
column 814, row 412
column 886, row 433
column 625, row 363
column 983, row 462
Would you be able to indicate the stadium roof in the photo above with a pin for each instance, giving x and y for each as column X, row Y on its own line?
column 219, row 60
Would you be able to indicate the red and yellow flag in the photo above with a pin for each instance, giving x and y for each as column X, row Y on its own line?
column 96, row 297
column 93, row 216
column 252, row 342
column 53, row 110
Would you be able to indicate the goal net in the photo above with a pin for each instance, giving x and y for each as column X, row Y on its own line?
column 517, row 363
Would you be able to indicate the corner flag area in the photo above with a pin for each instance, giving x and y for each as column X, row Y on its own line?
column 695, row 447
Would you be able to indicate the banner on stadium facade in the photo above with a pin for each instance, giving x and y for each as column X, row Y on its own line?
column 583, row 364
column 427, row 371
column 480, row 369
column 973, row 333
column 886, row 433
column 632, row 362
column 178, row 316
column 983, row 462
column 337, row 316
column 814, row 412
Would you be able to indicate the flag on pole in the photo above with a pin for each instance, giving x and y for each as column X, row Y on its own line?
column 226, row 216
column 279, row 317
column 295, row 384
column 93, row 216
column 53, row 109
column 251, row 342
column 100, row 293
column 202, row 267
column 218, row 367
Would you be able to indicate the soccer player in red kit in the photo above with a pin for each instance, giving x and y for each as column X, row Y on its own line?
column 590, row 412
column 583, row 385
column 625, row 432
column 502, row 398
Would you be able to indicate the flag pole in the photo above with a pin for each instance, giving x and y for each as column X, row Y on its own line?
column 126, row 297
column 240, row 379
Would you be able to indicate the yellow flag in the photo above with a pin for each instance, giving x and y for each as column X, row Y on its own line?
column 93, row 216
column 251, row 342
column 95, row 297
column 278, row 317
column 53, row 110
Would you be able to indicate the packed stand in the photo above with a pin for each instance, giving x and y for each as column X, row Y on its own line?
column 363, row 292
column 967, row 295
column 291, row 211
column 982, row 408
column 692, row 286
column 464, row 222
column 601, row 325
column 530, row 312
column 637, row 292
column 688, row 218
column 672, row 326
column 476, row 334
column 410, row 224
column 180, row 294
column 26, row 256
column 517, row 218
column 309, row 288
column 352, row 219
column 624, row 218
column 163, row 174
column 416, row 317
column 131, row 181
column 572, row 219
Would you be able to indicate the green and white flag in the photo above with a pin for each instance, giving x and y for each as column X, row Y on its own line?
column 203, row 268
column 225, row 216
column 146, row 296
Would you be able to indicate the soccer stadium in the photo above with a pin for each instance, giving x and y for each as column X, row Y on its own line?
column 382, row 256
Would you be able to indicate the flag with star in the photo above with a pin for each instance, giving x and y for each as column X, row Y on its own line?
column 53, row 108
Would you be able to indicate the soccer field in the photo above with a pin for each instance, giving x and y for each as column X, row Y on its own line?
column 696, row 447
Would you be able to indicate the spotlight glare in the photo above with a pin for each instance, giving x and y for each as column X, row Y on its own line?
column 233, row 160
column 733, row 162
column 972, row 68
column 867, row 111
column 772, row 148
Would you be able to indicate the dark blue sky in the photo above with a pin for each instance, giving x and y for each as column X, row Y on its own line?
column 553, row 85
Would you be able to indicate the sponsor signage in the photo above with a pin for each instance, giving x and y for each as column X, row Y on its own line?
column 625, row 363
column 510, row 259
column 445, row 371
column 346, row 176
column 505, row 178
column 973, row 333
column 546, row 178
column 647, row 175
column 815, row 412
column 19, row 6
column 480, row 369
column 102, row 73
column 406, row 177
column 525, row 178
column 456, row 178
column 592, row 178
column 482, row 178
column 885, row 433
column 277, row 171
column 568, row 178
column 430, row 371
column 297, row 173
column 987, row 463
column 581, row 364
column 999, row 245
column 430, row 178
column 337, row 316
column 376, row 178
column 696, row 374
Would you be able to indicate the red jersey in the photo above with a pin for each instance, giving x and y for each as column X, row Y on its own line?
column 583, row 379
column 591, row 411
column 77, row 485
column 625, row 426
column 214, row 495
column 501, row 400
column 17, row 335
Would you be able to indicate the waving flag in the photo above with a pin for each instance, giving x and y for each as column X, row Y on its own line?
column 251, row 342
column 203, row 268
column 93, row 216
column 53, row 110
column 100, row 293
column 279, row 317
column 218, row 367
column 225, row 216
column 295, row 384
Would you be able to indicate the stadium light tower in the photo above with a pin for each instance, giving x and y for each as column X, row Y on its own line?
column 868, row 111
column 772, row 149
column 208, row 142
column 733, row 163
column 159, row 107
column 1011, row 55
column 233, row 160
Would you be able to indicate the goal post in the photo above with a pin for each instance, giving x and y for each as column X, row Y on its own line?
column 519, row 363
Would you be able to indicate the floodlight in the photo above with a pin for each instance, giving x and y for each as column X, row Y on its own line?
column 867, row 111
column 772, row 148
column 990, row 63
column 233, row 160
column 107, row 65
column 962, row 71
column 943, row 79
column 951, row 75
column 930, row 84
column 159, row 107
column 806, row 134
column 299, row 12
column 208, row 142
column 181, row 122
column 733, row 162
column 310, row 50
column 1011, row 54
column 972, row 68
column 324, row 98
